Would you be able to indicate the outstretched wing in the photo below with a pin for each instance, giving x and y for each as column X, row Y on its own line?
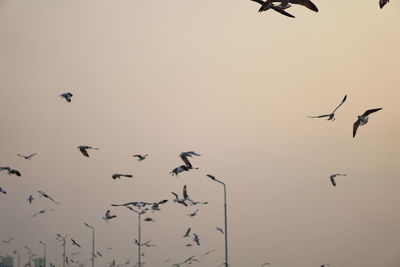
column 185, row 194
column 176, row 196
column 259, row 1
column 283, row 12
column 84, row 152
column 341, row 103
column 307, row 3
column 355, row 127
column 368, row 112
column 320, row 116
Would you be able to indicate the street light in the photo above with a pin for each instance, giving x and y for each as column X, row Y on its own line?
column 30, row 254
column 16, row 252
column 226, row 219
column 44, row 256
column 91, row 227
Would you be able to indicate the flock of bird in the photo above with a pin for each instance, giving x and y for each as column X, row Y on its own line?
column 285, row 4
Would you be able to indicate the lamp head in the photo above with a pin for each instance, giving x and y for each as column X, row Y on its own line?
column 211, row 176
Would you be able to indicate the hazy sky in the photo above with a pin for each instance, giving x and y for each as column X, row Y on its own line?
column 216, row 77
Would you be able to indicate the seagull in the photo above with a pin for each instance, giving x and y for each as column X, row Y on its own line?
column 27, row 157
column 188, row 245
column 10, row 171
column 139, row 204
column 189, row 201
column 155, row 205
column 331, row 116
column 382, row 3
column 184, row 156
column 67, row 96
column 74, row 243
column 2, row 190
column 98, row 253
column 30, row 199
column 193, row 213
column 187, row 232
column 179, row 169
column 40, row 212
column 220, row 230
column 324, row 265
column 178, row 200
column 149, row 220
column 286, row 4
column 196, row 239
column 84, row 149
column 42, row 194
column 118, row 175
column 267, row 5
column 108, row 216
column 141, row 157
column 332, row 177
column 8, row 241
column 363, row 119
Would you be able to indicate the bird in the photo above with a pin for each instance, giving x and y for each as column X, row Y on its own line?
column 138, row 204
column 2, row 190
column 40, row 212
column 332, row 177
column 382, row 3
column 196, row 239
column 155, row 205
column 265, row 264
column 99, row 254
column 147, row 244
column 324, row 265
column 140, row 157
column 179, row 200
column 118, row 175
column 8, row 241
column 189, row 201
column 30, row 199
column 27, row 157
column 187, row 232
column 11, row 171
column 84, row 149
column 179, row 169
column 74, row 243
column 268, row 5
column 148, row 219
column 108, row 216
column 220, row 230
column 331, row 116
column 184, row 156
column 193, row 213
column 43, row 194
column 363, row 119
column 67, row 96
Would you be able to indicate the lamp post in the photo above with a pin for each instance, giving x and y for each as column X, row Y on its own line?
column 91, row 227
column 44, row 256
column 16, row 252
column 226, row 218
column 30, row 254
column 139, row 213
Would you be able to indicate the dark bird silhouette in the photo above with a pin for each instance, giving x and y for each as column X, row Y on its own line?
column 382, row 3
column 331, row 116
column 74, row 243
column 40, row 212
column 8, row 241
column 108, row 216
column 184, row 156
column 118, row 175
column 269, row 5
column 179, row 200
column 140, row 157
column 220, row 230
column 10, row 171
column 363, row 119
column 67, row 96
column 196, row 239
column 30, row 199
column 83, row 150
column 156, row 205
column 193, row 213
column 332, row 177
column 43, row 194
column 187, row 232
column 2, row 190
column 27, row 157
column 149, row 220
column 179, row 169
column 189, row 201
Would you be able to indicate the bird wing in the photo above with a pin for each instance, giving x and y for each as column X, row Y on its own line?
column 19, row 155
column 31, row 155
column 366, row 113
column 259, row 1
column 185, row 194
column 355, row 127
column 127, row 175
column 333, row 180
column 83, row 151
column 283, row 12
column 307, row 3
column 185, row 160
column 188, row 231
column 176, row 195
column 341, row 103
column 163, row 201
column 320, row 116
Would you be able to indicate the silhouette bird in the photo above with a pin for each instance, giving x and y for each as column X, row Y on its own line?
column 363, row 119
column 108, row 216
column 179, row 169
column 27, row 157
column 184, row 156
column 196, row 239
column 10, row 171
column 187, row 232
column 179, row 200
column 140, row 157
column 265, row 264
column 332, row 177
column 269, row 5
column 382, row 3
column 67, row 96
column 43, row 194
column 2, row 190
column 189, row 201
column 83, row 150
column 118, row 175
column 193, row 213
column 331, row 116
column 40, row 212
column 8, row 241
column 149, row 220
column 30, row 199
column 155, row 205
column 74, row 243
column 220, row 230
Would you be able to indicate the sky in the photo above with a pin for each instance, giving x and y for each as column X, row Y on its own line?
column 215, row 77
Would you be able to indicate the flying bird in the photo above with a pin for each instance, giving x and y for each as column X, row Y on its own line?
column 43, row 194
column 196, row 239
column 140, row 157
column 149, row 220
column 382, row 3
column 2, row 190
column 155, row 205
column 269, row 5
column 220, row 230
column 179, row 200
column 139, row 204
column 265, row 264
column 187, row 232
column 27, row 157
column 40, row 212
column 8, row 241
column 332, row 177
column 179, row 169
column 74, row 243
column 118, row 175
column 331, row 116
column 363, row 119
column 30, row 199
column 67, row 96
column 189, row 201
column 108, row 216
column 10, row 171
column 184, row 156
column 193, row 213
column 83, row 150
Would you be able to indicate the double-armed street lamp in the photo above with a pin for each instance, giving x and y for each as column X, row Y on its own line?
column 91, row 227
column 44, row 256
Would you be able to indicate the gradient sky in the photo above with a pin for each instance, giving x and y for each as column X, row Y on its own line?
column 216, row 77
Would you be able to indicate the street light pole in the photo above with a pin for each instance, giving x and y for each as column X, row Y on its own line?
column 226, row 218
column 44, row 257
column 16, row 252
column 30, row 254
column 91, row 227
column 139, row 213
